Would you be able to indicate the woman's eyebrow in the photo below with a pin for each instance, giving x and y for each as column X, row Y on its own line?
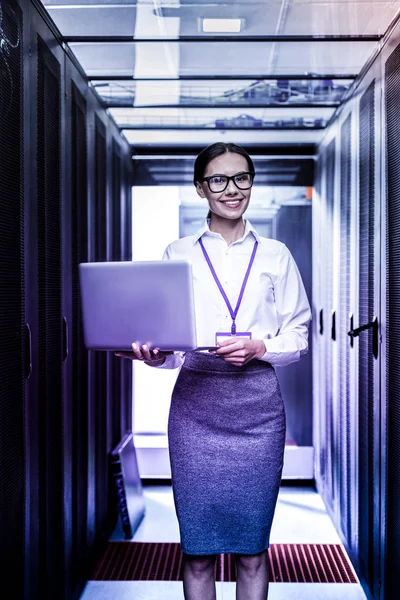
column 225, row 175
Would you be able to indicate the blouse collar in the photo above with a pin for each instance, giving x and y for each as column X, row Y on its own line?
column 205, row 228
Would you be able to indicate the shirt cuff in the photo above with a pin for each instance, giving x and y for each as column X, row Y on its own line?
column 265, row 357
column 278, row 357
column 172, row 361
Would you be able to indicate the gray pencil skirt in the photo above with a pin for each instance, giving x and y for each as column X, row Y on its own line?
column 226, row 432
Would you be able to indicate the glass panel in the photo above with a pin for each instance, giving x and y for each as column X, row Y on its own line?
column 221, row 93
column 146, row 18
column 191, row 59
column 202, row 137
column 94, row 20
column 338, row 17
column 209, row 118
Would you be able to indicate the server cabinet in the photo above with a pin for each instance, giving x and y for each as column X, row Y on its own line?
column 45, row 433
column 325, row 315
column 344, row 422
column 365, row 325
column 50, row 476
column 100, row 412
column 14, row 361
column 329, row 326
column 390, row 323
column 114, row 220
column 126, row 254
column 75, row 250
column 317, row 322
column 353, row 418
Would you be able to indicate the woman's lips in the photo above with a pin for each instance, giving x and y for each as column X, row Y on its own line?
column 232, row 203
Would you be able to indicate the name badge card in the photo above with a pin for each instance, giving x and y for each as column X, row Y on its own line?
column 221, row 336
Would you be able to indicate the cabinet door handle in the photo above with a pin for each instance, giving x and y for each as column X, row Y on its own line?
column 351, row 330
column 375, row 337
column 333, row 329
column 28, row 351
column 321, row 321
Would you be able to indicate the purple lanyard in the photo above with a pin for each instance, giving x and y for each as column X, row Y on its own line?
column 233, row 313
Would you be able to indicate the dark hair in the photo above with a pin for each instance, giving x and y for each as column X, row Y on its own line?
column 211, row 152
column 214, row 150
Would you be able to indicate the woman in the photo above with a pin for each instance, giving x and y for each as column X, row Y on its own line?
column 227, row 419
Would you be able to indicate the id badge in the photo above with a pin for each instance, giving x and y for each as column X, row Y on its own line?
column 221, row 336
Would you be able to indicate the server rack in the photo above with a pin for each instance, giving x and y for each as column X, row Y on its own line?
column 56, row 499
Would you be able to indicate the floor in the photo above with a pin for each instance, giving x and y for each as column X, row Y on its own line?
column 300, row 517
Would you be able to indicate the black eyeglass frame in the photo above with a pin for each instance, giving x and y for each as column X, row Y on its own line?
column 252, row 173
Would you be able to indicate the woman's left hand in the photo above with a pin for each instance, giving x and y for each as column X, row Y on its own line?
column 240, row 350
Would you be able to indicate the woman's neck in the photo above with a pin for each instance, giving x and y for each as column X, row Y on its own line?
column 230, row 230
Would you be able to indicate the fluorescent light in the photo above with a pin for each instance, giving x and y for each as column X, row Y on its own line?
column 221, row 25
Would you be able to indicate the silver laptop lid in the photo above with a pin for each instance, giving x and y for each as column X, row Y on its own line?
column 149, row 302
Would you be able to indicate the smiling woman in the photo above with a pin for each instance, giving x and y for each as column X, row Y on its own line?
column 227, row 417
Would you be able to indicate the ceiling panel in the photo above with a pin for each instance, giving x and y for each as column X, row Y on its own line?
column 218, row 105
column 265, row 17
column 221, row 118
column 221, row 93
column 94, row 20
column 322, row 57
column 203, row 137
column 338, row 18
column 170, row 59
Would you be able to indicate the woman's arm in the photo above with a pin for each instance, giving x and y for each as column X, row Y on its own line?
column 293, row 313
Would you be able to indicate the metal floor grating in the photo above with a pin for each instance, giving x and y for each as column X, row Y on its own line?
column 289, row 563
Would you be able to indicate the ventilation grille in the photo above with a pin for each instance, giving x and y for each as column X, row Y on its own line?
column 295, row 563
column 367, row 441
column 392, row 80
column 344, row 366
column 12, row 357
column 50, row 383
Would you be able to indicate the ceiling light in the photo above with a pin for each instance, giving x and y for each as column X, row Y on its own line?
column 221, row 25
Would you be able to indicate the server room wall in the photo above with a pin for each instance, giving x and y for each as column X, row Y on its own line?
column 356, row 240
column 65, row 176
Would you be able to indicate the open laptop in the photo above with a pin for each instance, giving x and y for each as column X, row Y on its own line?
column 149, row 302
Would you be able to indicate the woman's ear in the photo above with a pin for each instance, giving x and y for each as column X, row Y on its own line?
column 199, row 190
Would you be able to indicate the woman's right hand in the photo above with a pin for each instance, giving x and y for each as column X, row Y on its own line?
column 144, row 353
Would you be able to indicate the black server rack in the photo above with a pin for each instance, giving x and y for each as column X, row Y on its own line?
column 368, row 439
column 15, row 362
column 344, row 312
column 56, row 169
column 392, row 85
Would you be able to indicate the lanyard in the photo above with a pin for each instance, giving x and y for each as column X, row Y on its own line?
column 233, row 313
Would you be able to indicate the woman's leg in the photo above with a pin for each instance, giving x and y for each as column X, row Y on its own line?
column 252, row 576
column 198, row 577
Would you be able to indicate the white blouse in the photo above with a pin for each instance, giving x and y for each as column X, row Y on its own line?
column 274, row 306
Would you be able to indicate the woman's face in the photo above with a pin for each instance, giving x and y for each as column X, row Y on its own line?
column 232, row 202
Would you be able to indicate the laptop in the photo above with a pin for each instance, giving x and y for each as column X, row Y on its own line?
column 149, row 302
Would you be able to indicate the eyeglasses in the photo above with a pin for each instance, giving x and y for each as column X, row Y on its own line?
column 219, row 183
